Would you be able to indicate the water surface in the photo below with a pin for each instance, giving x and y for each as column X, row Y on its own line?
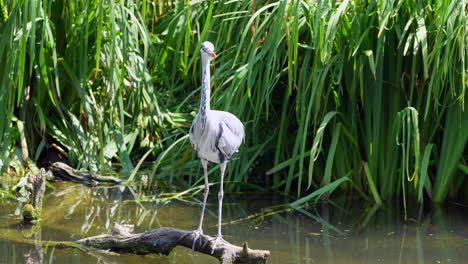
column 318, row 234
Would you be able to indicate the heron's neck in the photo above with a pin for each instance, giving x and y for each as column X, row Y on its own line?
column 205, row 98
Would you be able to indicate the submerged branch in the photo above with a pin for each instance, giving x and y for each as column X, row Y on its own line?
column 158, row 241
column 164, row 239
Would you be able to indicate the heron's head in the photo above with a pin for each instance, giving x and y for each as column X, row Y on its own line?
column 207, row 50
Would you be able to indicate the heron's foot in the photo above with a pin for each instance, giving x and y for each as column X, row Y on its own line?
column 197, row 237
column 218, row 240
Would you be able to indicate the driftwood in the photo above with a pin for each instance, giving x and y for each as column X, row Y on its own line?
column 36, row 187
column 65, row 172
column 164, row 239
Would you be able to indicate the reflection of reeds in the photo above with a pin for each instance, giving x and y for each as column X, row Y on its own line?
column 320, row 86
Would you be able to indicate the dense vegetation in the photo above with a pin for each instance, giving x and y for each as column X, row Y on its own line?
column 367, row 96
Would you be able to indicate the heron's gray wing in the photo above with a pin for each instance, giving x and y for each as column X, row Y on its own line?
column 236, row 127
column 230, row 137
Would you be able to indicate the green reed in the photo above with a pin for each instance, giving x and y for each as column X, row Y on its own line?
column 364, row 96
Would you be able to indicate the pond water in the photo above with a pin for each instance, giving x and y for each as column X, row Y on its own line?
column 319, row 234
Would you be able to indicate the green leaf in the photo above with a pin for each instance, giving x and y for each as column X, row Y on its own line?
column 329, row 188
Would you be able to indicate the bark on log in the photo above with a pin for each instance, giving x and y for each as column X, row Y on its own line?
column 164, row 239
column 65, row 172
column 36, row 187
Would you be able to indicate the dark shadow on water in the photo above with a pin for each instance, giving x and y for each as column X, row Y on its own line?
column 343, row 231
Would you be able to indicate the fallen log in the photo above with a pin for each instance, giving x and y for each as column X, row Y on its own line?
column 36, row 186
column 164, row 239
column 65, row 172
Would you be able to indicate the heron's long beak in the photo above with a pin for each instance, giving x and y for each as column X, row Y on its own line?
column 212, row 54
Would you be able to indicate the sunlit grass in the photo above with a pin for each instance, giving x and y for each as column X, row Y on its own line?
column 370, row 91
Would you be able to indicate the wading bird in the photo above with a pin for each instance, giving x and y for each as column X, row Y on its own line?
column 215, row 137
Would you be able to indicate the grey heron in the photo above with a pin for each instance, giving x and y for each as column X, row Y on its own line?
column 215, row 137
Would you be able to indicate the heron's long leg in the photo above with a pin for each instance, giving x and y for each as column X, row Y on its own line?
column 220, row 197
column 207, row 189
column 199, row 232
column 219, row 239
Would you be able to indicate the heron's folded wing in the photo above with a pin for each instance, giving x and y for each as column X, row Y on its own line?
column 229, row 140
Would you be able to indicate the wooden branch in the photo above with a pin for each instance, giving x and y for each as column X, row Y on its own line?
column 36, row 187
column 65, row 172
column 164, row 239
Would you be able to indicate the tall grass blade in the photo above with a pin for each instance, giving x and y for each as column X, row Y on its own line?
column 318, row 193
